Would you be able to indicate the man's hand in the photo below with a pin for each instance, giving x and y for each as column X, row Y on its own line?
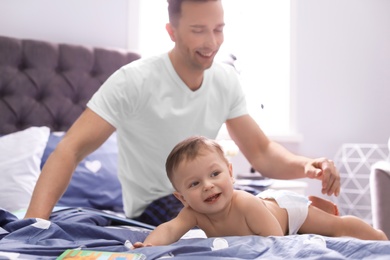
column 325, row 170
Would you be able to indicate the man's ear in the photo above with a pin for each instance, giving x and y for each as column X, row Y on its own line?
column 181, row 198
column 171, row 31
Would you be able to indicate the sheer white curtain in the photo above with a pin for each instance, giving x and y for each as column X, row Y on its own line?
column 257, row 32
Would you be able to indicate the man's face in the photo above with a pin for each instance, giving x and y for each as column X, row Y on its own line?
column 199, row 33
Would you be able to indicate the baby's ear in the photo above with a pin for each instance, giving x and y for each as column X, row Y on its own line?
column 231, row 170
column 181, row 198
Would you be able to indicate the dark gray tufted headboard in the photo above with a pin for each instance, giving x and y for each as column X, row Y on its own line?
column 49, row 84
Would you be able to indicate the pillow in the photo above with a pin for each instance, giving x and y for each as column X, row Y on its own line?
column 95, row 182
column 20, row 159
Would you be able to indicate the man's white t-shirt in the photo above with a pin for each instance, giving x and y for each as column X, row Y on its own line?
column 152, row 110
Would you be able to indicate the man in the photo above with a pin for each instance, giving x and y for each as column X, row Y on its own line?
column 153, row 104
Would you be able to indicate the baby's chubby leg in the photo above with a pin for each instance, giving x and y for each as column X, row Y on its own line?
column 321, row 222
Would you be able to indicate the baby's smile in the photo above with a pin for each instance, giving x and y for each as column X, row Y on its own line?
column 213, row 198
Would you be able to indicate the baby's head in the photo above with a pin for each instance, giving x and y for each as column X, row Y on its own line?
column 190, row 149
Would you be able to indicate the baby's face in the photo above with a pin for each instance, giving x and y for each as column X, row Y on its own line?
column 205, row 184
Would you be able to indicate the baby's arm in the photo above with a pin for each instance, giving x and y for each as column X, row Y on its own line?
column 259, row 218
column 171, row 231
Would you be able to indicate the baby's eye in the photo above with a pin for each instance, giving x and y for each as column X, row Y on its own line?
column 194, row 184
column 215, row 174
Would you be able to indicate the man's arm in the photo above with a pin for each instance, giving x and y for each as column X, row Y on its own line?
column 87, row 133
column 274, row 161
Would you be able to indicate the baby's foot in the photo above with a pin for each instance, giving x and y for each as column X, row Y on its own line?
column 325, row 205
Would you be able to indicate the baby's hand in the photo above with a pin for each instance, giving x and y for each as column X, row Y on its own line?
column 140, row 244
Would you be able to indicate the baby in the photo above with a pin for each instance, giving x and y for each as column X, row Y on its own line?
column 203, row 182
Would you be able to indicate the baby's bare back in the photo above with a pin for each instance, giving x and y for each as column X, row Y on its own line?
column 241, row 218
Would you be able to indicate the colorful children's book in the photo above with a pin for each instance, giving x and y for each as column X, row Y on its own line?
column 73, row 254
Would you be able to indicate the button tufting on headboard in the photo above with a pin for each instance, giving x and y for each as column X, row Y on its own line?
column 49, row 84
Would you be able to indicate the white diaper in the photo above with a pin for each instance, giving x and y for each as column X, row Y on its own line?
column 297, row 206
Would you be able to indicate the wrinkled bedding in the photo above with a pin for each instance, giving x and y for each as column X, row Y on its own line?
column 88, row 230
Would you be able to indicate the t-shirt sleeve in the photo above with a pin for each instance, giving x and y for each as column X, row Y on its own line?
column 114, row 100
column 238, row 106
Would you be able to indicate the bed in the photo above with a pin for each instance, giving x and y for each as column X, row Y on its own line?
column 44, row 87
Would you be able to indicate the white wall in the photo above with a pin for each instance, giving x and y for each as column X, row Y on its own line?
column 341, row 73
column 90, row 22
column 340, row 59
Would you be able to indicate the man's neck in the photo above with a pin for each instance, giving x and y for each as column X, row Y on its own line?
column 191, row 77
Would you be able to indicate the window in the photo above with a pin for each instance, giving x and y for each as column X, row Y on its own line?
column 257, row 32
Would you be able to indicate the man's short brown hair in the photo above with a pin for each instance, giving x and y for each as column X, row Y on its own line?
column 174, row 9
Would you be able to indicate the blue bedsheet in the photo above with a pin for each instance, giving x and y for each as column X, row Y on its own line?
column 40, row 239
